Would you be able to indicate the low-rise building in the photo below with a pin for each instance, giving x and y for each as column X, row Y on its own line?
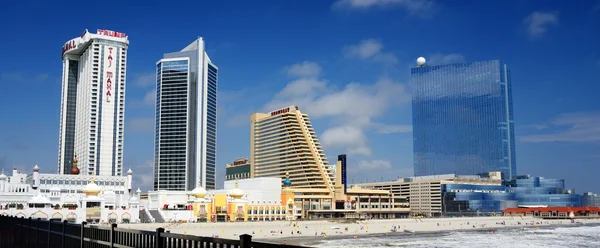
column 74, row 198
column 540, row 191
column 555, row 212
column 239, row 169
column 264, row 198
column 591, row 199
column 432, row 196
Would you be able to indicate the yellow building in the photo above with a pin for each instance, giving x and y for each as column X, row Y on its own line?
column 227, row 205
column 284, row 141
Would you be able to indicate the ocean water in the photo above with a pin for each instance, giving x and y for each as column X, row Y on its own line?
column 548, row 237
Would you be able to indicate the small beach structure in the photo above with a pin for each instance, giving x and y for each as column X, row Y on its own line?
column 555, row 212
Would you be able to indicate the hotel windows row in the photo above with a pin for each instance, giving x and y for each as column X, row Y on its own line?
column 238, row 176
column 266, row 211
column 79, row 182
column 73, row 191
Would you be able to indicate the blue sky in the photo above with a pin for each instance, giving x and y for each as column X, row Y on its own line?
column 345, row 63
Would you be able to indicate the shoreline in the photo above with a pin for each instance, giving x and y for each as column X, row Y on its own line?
column 314, row 231
column 311, row 241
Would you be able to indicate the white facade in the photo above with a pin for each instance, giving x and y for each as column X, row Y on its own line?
column 68, row 197
column 93, row 103
column 263, row 191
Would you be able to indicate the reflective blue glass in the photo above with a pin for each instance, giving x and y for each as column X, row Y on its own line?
column 541, row 191
column 462, row 119
column 551, row 200
column 470, row 199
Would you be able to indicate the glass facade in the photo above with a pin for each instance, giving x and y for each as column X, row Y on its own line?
column 69, row 140
column 591, row 199
column 211, row 127
column 171, row 125
column 463, row 119
column 473, row 200
column 539, row 191
column 237, row 172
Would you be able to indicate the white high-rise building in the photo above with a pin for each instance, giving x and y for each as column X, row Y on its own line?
column 185, row 143
column 93, row 103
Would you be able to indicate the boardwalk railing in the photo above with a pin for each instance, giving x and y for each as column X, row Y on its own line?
column 37, row 233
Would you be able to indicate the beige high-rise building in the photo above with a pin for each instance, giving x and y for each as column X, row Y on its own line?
column 285, row 141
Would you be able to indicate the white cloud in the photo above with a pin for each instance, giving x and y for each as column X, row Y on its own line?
column 230, row 112
column 141, row 124
column 304, row 69
column 442, row 59
column 143, row 176
column 374, row 165
column 351, row 138
column 354, row 108
column 569, row 127
column 412, row 6
column 145, row 80
column 150, row 97
column 386, row 129
column 369, row 49
column 538, row 22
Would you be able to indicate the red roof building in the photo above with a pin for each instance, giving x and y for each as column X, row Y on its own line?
column 555, row 212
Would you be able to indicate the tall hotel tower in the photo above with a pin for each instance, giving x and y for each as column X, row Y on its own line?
column 463, row 119
column 185, row 143
column 285, row 141
column 93, row 103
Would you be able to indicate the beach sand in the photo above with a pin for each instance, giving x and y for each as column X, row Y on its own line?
column 312, row 231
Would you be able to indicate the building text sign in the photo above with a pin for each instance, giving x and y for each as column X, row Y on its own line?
column 111, row 33
column 281, row 111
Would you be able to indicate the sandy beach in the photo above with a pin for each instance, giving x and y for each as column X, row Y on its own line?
column 307, row 231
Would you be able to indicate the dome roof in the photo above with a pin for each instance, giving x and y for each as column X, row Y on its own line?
column 92, row 189
column 129, row 172
column 199, row 192
column 36, row 168
column 138, row 191
column 287, row 181
column 2, row 176
column 236, row 192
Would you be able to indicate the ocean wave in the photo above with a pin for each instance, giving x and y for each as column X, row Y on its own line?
column 580, row 236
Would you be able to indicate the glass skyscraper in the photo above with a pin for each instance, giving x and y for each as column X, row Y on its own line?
column 463, row 119
column 185, row 143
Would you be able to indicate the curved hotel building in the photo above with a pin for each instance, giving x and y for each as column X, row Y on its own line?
column 284, row 141
column 93, row 103
column 186, row 120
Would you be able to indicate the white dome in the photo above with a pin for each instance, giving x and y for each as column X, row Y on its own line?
column 199, row 192
column 236, row 192
column 92, row 189
column 2, row 176
column 129, row 171
column 36, row 168
column 138, row 191
column 421, row 61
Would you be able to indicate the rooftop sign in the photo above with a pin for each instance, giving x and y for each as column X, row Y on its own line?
column 111, row 33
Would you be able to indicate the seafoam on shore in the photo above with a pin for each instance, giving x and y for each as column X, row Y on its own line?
column 543, row 237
